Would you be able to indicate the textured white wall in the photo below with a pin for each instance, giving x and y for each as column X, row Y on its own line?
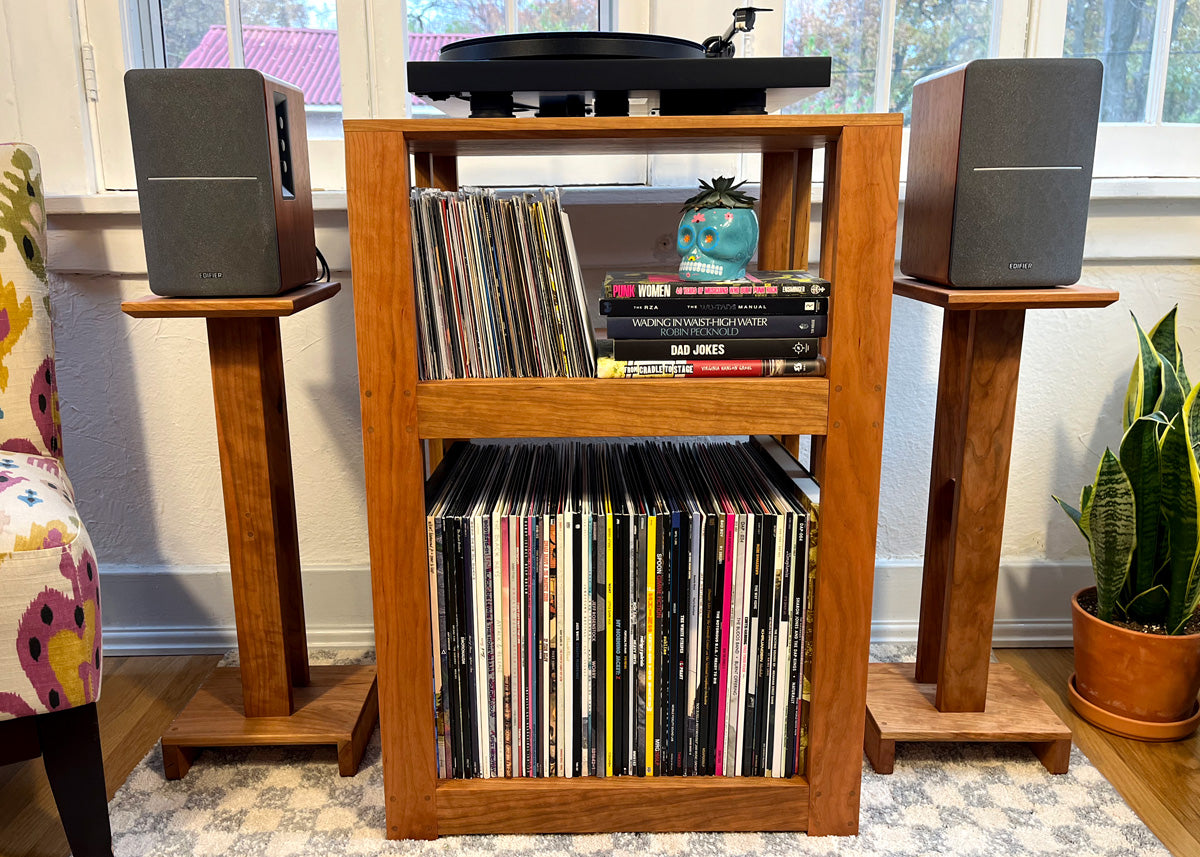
column 141, row 448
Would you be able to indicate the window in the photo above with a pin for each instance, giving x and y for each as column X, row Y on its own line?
column 880, row 48
column 343, row 55
column 1151, row 56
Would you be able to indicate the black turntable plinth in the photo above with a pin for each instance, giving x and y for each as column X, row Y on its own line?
column 608, row 74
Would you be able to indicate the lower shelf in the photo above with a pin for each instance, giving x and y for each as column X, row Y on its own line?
column 622, row 804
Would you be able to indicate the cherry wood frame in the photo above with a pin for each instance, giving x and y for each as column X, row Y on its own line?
column 843, row 412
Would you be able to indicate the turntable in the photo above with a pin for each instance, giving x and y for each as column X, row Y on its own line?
column 612, row 74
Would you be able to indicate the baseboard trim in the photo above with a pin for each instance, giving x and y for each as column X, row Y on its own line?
column 176, row 610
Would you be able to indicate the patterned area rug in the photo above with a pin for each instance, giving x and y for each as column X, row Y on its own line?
column 955, row 799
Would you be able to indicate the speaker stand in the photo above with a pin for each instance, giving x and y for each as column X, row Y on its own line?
column 952, row 692
column 274, row 696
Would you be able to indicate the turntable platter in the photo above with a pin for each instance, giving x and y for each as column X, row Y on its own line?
column 561, row 46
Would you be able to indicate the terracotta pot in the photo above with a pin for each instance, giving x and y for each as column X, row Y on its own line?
column 1139, row 676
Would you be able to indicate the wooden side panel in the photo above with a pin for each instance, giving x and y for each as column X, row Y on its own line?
column 932, row 176
column 860, row 235
column 593, row 805
column 385, row 325
column 260, row 511
column 993, row 359
column 294, row 215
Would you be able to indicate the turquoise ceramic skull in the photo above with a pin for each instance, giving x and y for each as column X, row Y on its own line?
column 716, row 243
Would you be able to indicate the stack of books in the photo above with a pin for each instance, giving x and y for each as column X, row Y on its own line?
column 766, row 324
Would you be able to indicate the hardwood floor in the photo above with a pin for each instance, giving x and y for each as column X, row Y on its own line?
column 142, row 695
column 138, row 700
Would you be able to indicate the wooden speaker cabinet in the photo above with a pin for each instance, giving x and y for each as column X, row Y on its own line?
column 999, row 173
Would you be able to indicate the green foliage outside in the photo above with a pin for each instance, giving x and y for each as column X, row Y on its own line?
column 930, row 35
column 1120, row 33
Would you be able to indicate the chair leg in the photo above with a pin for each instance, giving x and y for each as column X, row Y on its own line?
column 70, row 742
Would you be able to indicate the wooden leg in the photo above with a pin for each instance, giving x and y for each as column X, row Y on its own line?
column 75, row 768
column 260, row 510
column 177, row 761
column 18, row 740
column 993, row 358
column 881, row 752
column 350, row 752
column 947, row 458
column 1055, row 755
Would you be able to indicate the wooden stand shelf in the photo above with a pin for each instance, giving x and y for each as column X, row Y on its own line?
column 843, row 412
column 274, row 697
column 952, row 693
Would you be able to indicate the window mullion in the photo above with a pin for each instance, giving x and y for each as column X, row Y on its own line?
column 233, row 31
column 1160, row 52
column 510, row 16
column 883, row 60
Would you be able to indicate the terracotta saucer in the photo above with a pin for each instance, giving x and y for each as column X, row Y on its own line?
column 1142, row 730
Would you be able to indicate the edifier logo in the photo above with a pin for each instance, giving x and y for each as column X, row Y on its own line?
column 211, row 275
column 1012, row 266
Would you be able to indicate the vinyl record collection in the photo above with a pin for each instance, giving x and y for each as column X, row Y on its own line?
column 610, row 609
column 499, row 292
column 765, row 324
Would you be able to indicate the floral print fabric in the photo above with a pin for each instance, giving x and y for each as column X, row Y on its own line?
column 49, row 585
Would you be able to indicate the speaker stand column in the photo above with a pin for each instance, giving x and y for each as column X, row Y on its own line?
column 953, row 692
column 273, row 696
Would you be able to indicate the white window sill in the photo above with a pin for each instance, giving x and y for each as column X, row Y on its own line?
column 126, row 202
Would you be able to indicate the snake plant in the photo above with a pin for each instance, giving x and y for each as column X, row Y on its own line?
column 1140, row 514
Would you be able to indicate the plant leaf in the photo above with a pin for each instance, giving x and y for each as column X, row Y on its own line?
column 1170, row 399
column 1144, row 381
column 1072, row 513
column 1165, row 341
column 1139, row 460
column 1181, row 499
column 1109, row 517
column 1149, row 605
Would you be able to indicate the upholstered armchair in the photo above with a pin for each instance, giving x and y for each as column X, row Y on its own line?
column 49, row 594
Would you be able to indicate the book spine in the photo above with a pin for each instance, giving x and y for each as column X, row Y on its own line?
column 717, row 326
column 692, row 289
column 712, row 368
column 655, row 308
column 704, row 349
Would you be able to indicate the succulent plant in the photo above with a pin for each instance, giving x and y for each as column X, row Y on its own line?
column 722, row 193
column 1140, row 514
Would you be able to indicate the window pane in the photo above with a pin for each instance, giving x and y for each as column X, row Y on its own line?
column 1182, row 102
column 1120, row 34
column 467, row 17
column 292, row 40
column 296, row 42
column 189, row 33
column 546, row 16
column 931, row 36
column 847, row 31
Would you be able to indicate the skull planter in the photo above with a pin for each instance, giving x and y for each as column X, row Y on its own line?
column 718, row 233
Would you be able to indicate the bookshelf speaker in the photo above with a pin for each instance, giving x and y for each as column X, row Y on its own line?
column 221, row 157
column 1000, row 171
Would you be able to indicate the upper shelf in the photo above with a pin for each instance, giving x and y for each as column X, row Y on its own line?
column 621, row 135
column 593, row 407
